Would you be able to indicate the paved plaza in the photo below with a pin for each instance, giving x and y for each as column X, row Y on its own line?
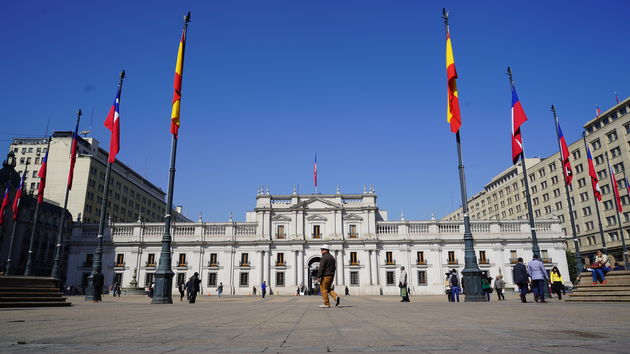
column 296, row 324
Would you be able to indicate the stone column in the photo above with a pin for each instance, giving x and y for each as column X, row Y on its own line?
column 341, row 267
column 370, row 266
column 261, row 268
column 295, row 268
column 374, row 262
column 336, row 268
column 266, row 267
column 300, row 267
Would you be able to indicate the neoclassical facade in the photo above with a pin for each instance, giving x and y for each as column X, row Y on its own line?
column 280, row 243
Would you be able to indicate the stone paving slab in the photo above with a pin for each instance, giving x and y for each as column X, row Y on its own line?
column 295, row 324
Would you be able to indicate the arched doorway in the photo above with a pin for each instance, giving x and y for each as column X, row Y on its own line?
column 313, row 282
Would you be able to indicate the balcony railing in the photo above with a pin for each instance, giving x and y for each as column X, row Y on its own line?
column 119, row 265
column 513, row 260
column 353, row 235
column 390, row 262
column 150, row 264
column 243, row 264
column 421, row 261
column 280, row 264
column 484, row 261
column 316, row 235
column 281, row 236
column 354, row 263
column 453, row 261
column 546, row 260
column 182, row 264
column 212, row 264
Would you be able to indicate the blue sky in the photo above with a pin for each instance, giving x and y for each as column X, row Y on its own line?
column 267, row 84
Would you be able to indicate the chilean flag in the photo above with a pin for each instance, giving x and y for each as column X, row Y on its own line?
column 18, row 196
column 315, row 171
column 518, row 118
column 112, row 122
column 627, row 186
column 597, row 111
column 42, row 179
column 615, row 188
column 564, row 152
column 73, row 155
column 597, row 191
column 5, row 202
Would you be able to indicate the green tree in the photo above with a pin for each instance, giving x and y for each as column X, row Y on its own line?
column 572, row 267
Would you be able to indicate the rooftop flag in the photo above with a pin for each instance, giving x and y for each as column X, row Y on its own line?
column 177, row 94
column 518, row 118
column 597, row 112
column 564, row 154
column 42, row 179
column 615, row 188
column 5, row 203
column 597, row 191
column 315, row 171
column 18, row 195
column 112, row 122
column 453, row 115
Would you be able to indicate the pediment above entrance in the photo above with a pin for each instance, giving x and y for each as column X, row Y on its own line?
column 316, row 218
column 280, row 218
column 352, row 217
column 317, row 203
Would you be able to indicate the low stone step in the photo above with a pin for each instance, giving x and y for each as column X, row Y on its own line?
column 34, row 304
column 33, row 289
column 598, row 299
column 33, row 299
column 602, row 293
column 19, row 293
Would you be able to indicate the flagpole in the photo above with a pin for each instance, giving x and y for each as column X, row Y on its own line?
column 599, row 217
column 578, row 256
column 56, row 269
column 164, row 273
column 532, row 223
column 613, row 184
column 97, row 264
column 9, row 267
column 29, row 261
column 471, row 273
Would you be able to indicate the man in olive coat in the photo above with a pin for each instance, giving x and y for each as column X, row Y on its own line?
column 521, row 278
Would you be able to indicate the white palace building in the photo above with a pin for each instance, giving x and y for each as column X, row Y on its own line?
column 280, row 243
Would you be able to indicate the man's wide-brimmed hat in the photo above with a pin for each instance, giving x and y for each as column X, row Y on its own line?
column 324, row 247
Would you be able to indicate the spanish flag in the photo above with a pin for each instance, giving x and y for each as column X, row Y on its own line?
column 453, row 116
column 177, row 94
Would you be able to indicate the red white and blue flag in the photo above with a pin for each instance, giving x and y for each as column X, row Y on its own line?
column 627, row 186
column 315, row 172
column 73, row 155
column 5, row 203
column 42, row 179
column 112, row 122
column 597, row 191
column 18, row 196
column 615, row 188
column 564, row 154
column 597, row 111
column 518, row 118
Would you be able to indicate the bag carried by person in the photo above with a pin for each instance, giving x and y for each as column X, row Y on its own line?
column 595, row 265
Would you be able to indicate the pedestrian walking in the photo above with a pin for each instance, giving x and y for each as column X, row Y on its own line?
column 98, row 280
column 220, row 290
column 254, row 290
column 347, row 291
column 326, row 274
column 447, row 287
column 521, row 278
column 151, row 286
column 557, row 284
column 263, row 288
column 454, row 283
column 402, row 284
column 182, row 289
column 188, row 288
column 499, row 286
column 539, row 277
column 194, row 288
column 485, row 285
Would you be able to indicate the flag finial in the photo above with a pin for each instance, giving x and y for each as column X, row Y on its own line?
column 187, row 18
column 122, row 74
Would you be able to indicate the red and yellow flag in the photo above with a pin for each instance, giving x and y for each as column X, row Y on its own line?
column 177, row 94
column 453, row 116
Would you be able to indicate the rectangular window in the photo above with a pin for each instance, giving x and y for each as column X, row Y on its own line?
column 612, row 136
column 151, row 260
column 181, row 260
column 422, row 277
column 354, row 278
column 279, row 278
column 120, row 260
column 389, row 258
column 545, row 256
column 596, row 144
column 451, row 257
column 353, row 258
column 243, row 280
column 554, row 180
column 280, row 259
column 586, row 211
column 280, row 232
column 482, row 257
column 317, row 231
column 390, row 277
column 89, row 258
column 579, row 168
column 420, row 259
column 611, row 220
column 212, row 279
column 608, row 204
column 353, row 231
column 576, row 154
column 244, row 260
column 513, row 256
column 213, row 260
